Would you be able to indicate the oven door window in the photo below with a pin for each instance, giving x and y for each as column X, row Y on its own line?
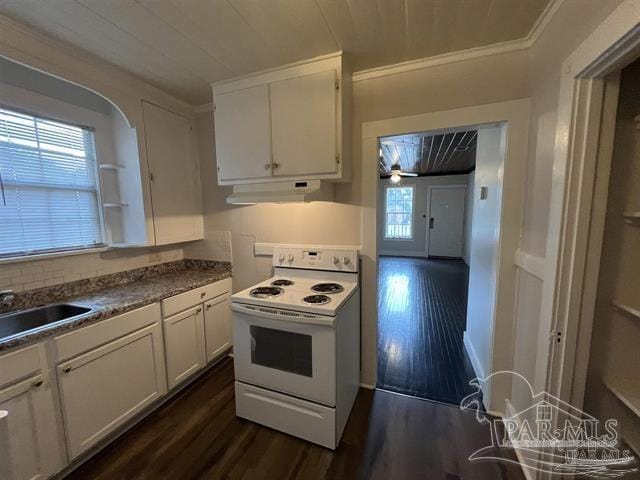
column 286, row 351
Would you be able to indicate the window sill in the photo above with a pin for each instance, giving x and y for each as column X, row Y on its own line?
column 44, row 256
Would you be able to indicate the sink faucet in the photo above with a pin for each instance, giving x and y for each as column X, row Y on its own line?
column 6, row 298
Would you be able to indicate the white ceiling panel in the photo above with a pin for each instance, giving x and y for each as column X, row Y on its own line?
column 183, row 45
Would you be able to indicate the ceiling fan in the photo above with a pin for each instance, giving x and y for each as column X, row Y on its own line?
column 397, row 173
column 396, row 169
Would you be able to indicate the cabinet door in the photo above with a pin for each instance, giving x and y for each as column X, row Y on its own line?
column 175, row 182
column 303, row 115
column 184, row 344
column 105, row 387
column 29, row 446
column 243, row 134
column 217, row 326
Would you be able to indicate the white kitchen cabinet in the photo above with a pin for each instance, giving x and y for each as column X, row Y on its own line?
column 288, row 123
column 174, row 175
column 29, row 436
column 103, row 388
column 217, row 326
column 303, row 116
column 243, row 134
column 184, row 344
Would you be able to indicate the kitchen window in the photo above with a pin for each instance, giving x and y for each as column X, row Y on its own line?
column 49, row 196
column 398, row 213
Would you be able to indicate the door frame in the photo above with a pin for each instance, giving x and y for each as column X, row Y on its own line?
column 581, row 167
column 430, row 188
column 513, row 113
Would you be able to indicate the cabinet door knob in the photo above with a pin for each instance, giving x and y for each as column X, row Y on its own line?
column 198, row 310
column 209, row 306
column 202, row 294
column 276, row 165
column 66, row 369
column 37, row 382
column 267, row 166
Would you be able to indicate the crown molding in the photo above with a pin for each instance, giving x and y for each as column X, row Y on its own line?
column 465, row 55
column 204, row 108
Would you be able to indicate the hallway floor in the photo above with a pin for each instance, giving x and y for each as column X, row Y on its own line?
column 422, row 307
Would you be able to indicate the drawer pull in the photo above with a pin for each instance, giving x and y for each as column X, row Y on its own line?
column 37, row 382
column 202, row 294
column 199, row 310
column 66, row 369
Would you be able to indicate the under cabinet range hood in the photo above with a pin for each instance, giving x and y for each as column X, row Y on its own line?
column 281, row 192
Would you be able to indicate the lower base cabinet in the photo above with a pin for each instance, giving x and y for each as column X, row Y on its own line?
column 105, row 387
column 29, row 441
column 184, row 345
column 217, row 326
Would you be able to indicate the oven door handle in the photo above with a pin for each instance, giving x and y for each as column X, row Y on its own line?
column 287, row 315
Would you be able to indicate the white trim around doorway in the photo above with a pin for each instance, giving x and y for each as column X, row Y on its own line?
column 581, row 168
column 515, row 114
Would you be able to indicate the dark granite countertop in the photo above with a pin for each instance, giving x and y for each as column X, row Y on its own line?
column 119, row 293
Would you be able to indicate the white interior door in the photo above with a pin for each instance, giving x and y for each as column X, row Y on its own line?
column 446, row 221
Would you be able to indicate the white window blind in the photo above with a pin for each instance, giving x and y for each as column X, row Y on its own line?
column 399, row 213
column 49, row 198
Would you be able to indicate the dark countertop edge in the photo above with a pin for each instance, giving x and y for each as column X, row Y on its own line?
column 102, row 313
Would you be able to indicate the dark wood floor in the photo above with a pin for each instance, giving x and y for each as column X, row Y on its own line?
column 422, row 308
column 197, row 436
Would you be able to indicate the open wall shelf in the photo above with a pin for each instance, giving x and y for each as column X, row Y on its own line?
column 627, row 392
column 626, row 310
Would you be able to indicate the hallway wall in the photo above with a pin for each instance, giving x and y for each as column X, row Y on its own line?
column 468, row 218
column 478, row 337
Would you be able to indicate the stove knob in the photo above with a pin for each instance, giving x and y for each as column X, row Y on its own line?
column 345, row 260
column 290, row 258
column 281, row 257
column 335, row 260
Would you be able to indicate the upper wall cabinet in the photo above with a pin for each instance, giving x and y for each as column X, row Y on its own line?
column 288, row 123
column 174, row 176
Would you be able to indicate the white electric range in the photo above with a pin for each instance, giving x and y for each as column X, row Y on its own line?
column 297, row 344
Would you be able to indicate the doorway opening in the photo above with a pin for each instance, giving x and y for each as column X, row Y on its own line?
column 439, row 205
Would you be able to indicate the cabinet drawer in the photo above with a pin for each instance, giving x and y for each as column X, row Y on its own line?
column 20, row 364
column 313, row 422
column 178, row 303
column 82, row 340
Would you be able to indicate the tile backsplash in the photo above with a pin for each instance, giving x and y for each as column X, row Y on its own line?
column 28, row 275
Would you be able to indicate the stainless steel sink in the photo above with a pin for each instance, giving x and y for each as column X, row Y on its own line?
column 34, row 319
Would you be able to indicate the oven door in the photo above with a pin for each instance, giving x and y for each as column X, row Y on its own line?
column 273, row 350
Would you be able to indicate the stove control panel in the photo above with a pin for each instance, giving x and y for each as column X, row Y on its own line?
column 316, row 258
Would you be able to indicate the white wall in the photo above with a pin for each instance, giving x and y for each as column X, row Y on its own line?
column 417, row 246
column 484, row 248
column 468, row 218
column 23, row 45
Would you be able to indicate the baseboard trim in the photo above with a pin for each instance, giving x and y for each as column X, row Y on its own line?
column 387, row 253
column 473, row 356
column 511, row 413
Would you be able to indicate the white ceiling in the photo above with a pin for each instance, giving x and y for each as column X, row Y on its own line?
column 183, row 45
